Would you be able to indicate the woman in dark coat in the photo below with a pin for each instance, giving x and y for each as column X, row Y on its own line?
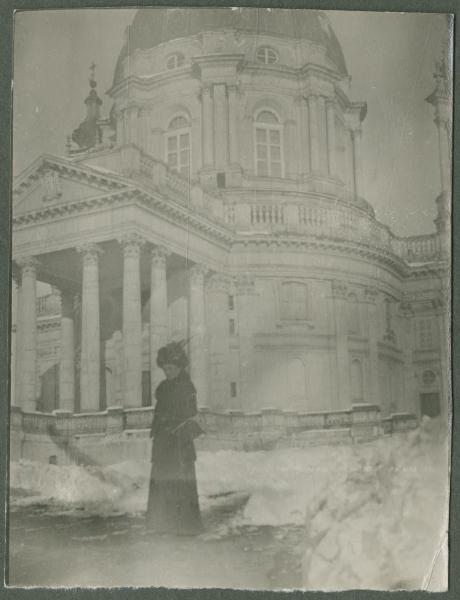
column 173, row 498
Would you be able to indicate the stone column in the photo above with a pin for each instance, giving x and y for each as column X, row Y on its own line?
column 220, row 125
column 357, row 173
column 370, row 296
column 67, row 356
column 339, row 293
column 313, row 116
column 207, row 126
column 331, row 136
column 90, row 366
column 158, row 312
column 198, row 348
column 132, row 321
column 233, row 124
column 27, row 349
column 218, row 334
column 246, row 296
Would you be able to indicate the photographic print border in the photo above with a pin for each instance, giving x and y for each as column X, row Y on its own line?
column 7, row 9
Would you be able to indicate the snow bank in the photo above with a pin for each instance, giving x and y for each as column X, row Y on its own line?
column 383, row 524
column 374, row 514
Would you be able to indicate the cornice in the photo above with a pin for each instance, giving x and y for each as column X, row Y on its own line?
column 62, row 166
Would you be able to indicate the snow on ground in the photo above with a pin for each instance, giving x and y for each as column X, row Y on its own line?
column 374, row 514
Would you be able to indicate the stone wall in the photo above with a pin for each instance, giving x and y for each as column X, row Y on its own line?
column 118, row 434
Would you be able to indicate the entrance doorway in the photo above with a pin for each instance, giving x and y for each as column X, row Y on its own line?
column 430, row 404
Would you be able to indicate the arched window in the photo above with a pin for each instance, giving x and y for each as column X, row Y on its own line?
column 268, row 145
column 266, row 55
column 294, row 301
column 354, row 325
column 178, row 145
column 175, row 61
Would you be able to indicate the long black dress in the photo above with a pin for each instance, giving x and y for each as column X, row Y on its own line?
column 173, row 498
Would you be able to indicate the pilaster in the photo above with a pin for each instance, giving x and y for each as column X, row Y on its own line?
column 339, row 293
column 218, row 327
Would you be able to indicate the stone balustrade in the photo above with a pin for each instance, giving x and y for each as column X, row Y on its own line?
column 363, row 421
column 48, row 306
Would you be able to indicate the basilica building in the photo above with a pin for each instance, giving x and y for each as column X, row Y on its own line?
column 217, row 198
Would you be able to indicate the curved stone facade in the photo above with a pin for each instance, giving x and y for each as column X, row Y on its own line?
column 236, row 151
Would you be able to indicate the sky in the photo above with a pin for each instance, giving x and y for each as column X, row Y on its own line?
column 390, row 57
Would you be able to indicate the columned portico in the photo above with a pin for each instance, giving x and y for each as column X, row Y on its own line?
column 132, row 323
column 27, row 342
column 198, row 345
column 158, row 311
column 90, row 329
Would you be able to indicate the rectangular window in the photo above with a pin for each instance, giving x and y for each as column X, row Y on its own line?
column 233, row 389
column 178, row 157
column 268, row 152
column 231, row 326
column 231, row 303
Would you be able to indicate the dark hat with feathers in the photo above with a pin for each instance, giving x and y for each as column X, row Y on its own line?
column 173, row 354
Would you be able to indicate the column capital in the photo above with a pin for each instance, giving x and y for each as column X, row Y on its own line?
column 90, row 252
column 219, row 282
column 27, row 264
column 159, row 254
column 245, row 284
column 370, row 294
column 339, row 289
column 198, row 273
column 131, row 244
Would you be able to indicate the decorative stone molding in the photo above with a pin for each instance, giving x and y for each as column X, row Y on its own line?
column 159, row 254
column 245, row 284
column 131, row 244
column 197, row 273
column 219, row 282
column 90, row 252
column 51, row 185
column 339, row 289
column 405, row 308
column 370, row 294
column 28, row 265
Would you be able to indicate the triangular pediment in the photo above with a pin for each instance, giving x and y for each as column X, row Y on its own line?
column 51, row 180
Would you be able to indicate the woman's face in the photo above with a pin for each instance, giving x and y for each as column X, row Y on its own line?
column 171, row 371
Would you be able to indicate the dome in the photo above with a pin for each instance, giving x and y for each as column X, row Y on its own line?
column 153, row 26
